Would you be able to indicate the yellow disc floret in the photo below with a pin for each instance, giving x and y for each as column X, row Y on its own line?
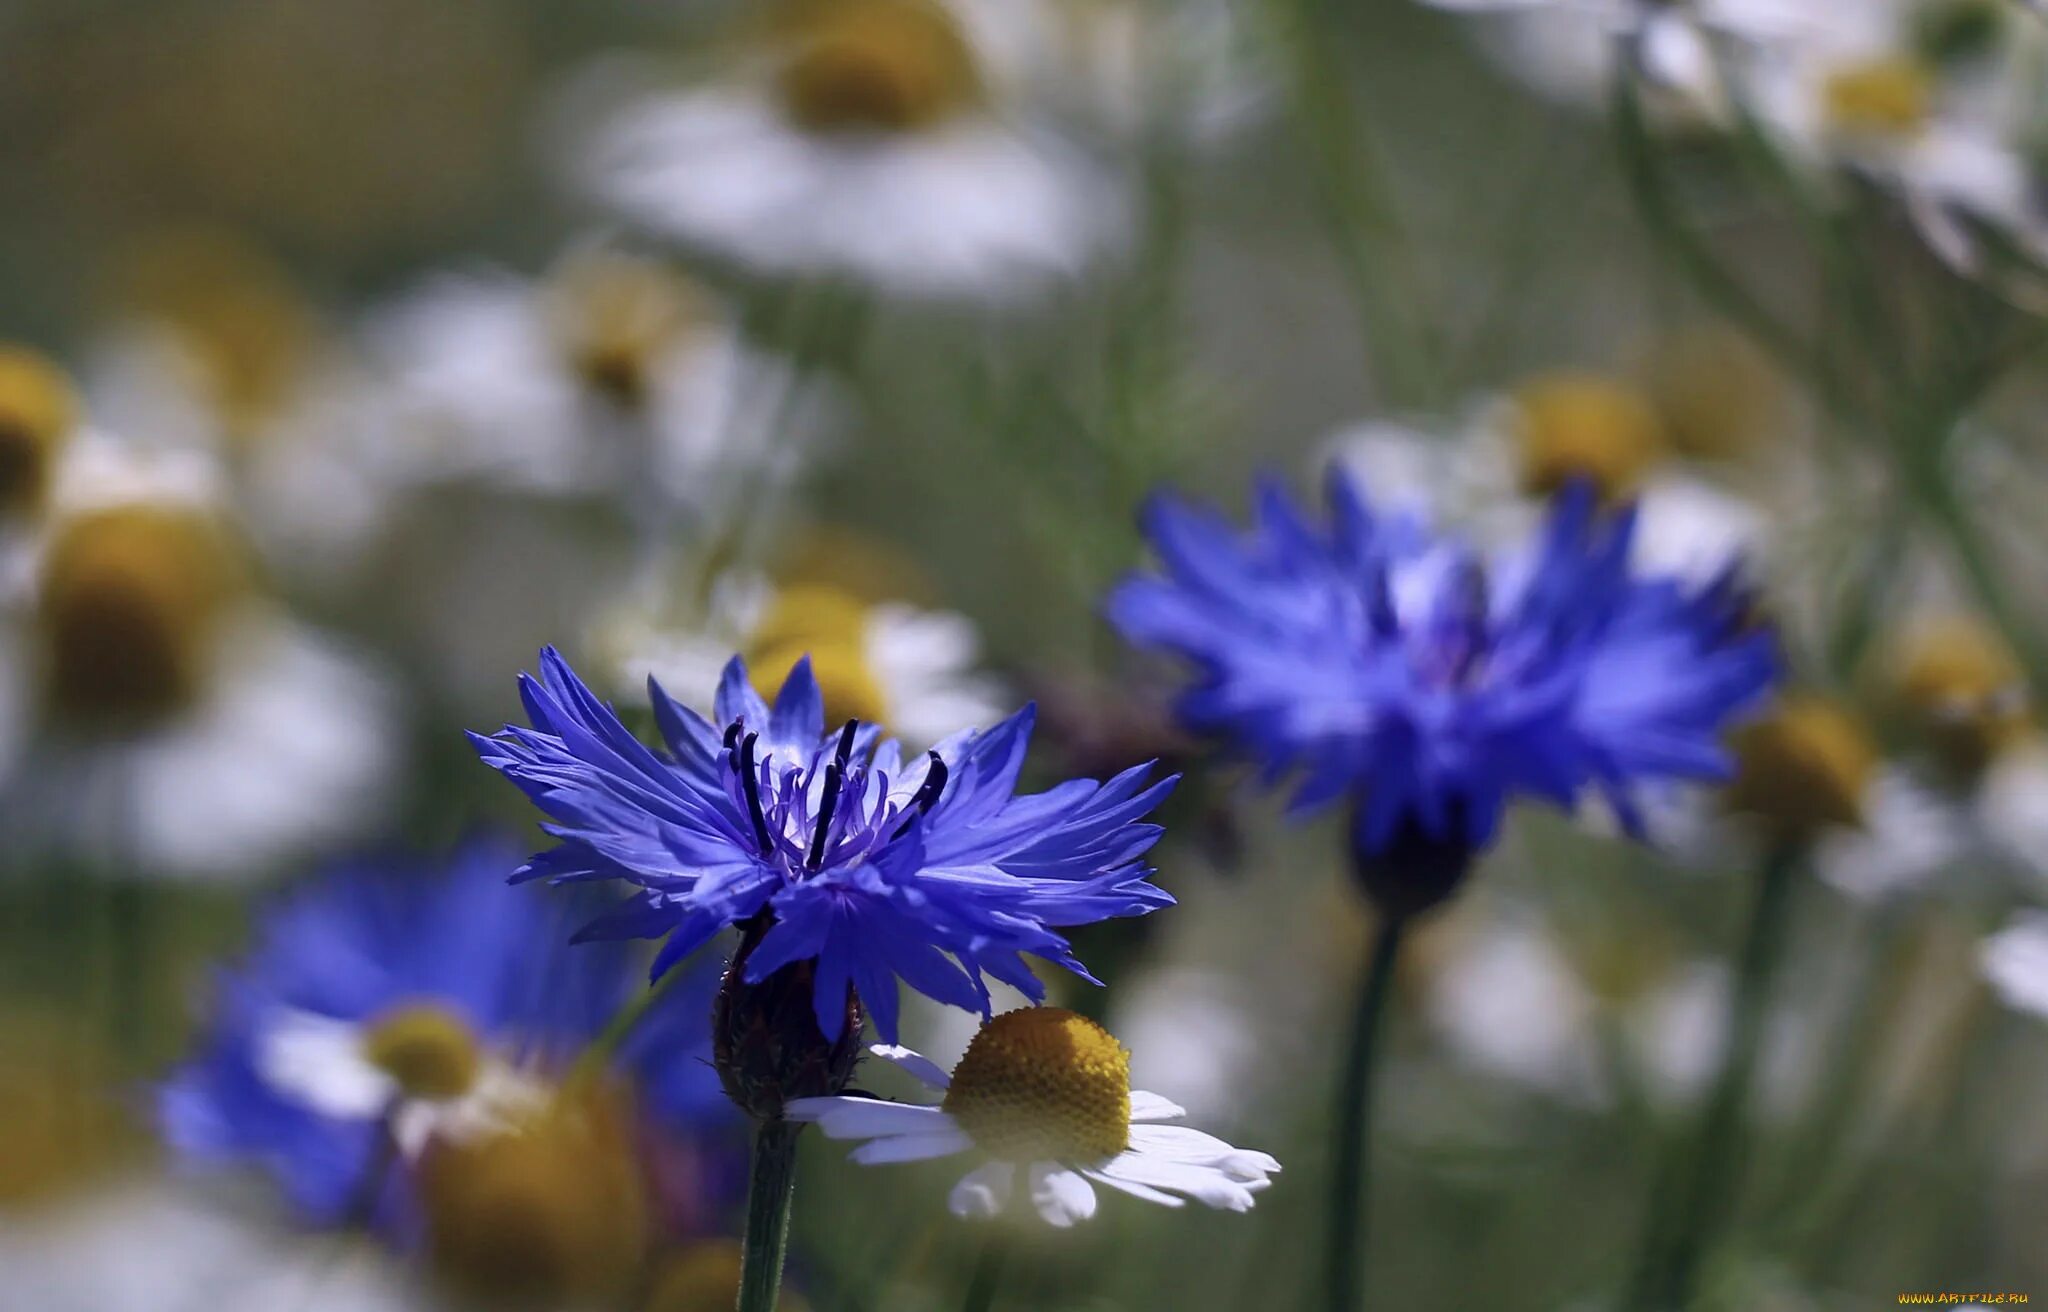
column 1803, row 767
column 830, row 626
column 1044, row 1084
column 1963, row 691
column 428, row 1050
column 877, row 66
column 130, row 608
column 1581, row 426
column 1718, row 396
column 1888, row 97
column 551, row 1212
column 38, row 411
column 614, row 316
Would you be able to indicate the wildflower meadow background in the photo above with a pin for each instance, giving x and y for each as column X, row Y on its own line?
column 896, row 655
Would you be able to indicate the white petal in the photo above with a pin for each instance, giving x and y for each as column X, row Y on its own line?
column 2015, row 961
column 919, row 1065
column 1209, row 1185
column 912, row 1147
column 1136, row 1190
column 847, row 1117
column 1061, row 1195
column 1151, row 1107
column 984, row 1191
column 318, row 1063
column 1178, row 1143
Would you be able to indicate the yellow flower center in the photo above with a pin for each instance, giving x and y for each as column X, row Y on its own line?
column 1581, row 426
column 877, row 66
column 830, row 626
column 701, row 1278
column 547, row 1213
column 130, row 608
column 1886, row 97
column 38, row 411
column 250, row 331
column 63, row 1126
column 1803, row 767
column 1962, row 689
column 1044, row 1084
column 427, row 1049
column 614, row 316
column 1717, row 395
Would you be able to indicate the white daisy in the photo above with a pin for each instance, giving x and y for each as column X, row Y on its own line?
column 1045, row 1095
column 861, row 140
column 352, row 1071
column 612, row 374
column 177, row 720
column 914, row 670
column 2015, row 962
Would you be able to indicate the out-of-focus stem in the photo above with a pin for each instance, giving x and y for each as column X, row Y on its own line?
column 1345, row 1246
column 988, row 1273
column 1708, row 1178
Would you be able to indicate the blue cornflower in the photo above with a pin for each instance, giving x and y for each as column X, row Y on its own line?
column 832, row 848
column 392, row 1003
column 1387, row 664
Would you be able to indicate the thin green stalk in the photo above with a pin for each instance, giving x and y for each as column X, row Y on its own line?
column 1708, row 1178
column 1939, row 500
column 988, row 1273
column 771, row 1185
column 598, row 1053
column 1348, row 1214
column 1357, row 207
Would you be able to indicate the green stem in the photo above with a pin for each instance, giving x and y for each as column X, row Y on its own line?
column 1708, row 1179
column 1939, row 500
column 1348, row 1214
column 594, row 1057
column 771, row 1184
column 988, row 1273
column 1357, row 207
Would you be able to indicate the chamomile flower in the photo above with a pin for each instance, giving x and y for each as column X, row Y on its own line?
column 913, row 670
column 182, row 721
column 611, row 374
column 861, row 140
column 833, row 848
column 1397, row 668
column 389, row 1007
column 39, row 416
column 1043, row 1096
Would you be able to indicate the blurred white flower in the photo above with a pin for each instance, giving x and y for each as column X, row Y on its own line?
column 865, row 141
column 157, row 1247
column 2015, row 962
column 169, row 716
column 610, row 375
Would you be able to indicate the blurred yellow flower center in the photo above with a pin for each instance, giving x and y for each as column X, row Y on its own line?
column 878, row 66
column 1803, row 767
column 1964, row 691
column 63, row 1122
column 1580, row 426
column 1716, row 394
column 614, row 316
column 830, row 626
column 550, row 1212
column 130, row 608
column 249, row 331
column 428, row 1050
column 38, row 411
column 1044, row 1084
column 1890, row 97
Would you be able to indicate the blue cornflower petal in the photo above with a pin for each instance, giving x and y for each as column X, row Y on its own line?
column 931, row 871
column 1376, row 661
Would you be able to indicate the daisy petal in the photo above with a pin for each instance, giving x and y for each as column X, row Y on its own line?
column 911, row 1147
column 1062, row 1196
column 867, row 1118
column 1151, row 1107
column 917, row 1064
column 984, row 1191
column 1136, row 1190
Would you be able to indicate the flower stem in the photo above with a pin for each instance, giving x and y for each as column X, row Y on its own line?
column 988, row 1272
column 1706, row 1179
column 1346, row 1244
column 771, row 1184
column 598, row 1053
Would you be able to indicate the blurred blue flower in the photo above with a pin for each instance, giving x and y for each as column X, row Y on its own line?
column 834, row 847
column 1396, row 667
column 394, row 1001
